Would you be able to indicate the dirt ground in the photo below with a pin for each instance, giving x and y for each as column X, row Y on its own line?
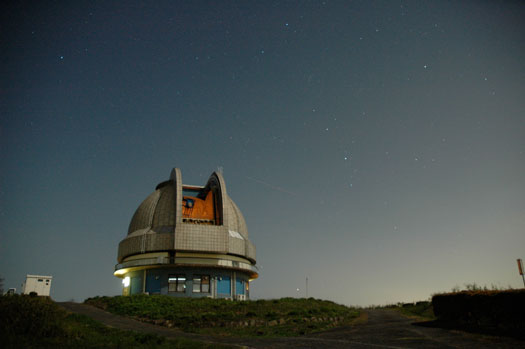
column 383, row 329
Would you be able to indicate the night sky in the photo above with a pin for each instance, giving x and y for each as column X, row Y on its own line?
column 375, row 147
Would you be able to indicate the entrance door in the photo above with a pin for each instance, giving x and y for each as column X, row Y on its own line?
column 136, row 285
column 224, row 286
column 239, row 286
column 153, row 283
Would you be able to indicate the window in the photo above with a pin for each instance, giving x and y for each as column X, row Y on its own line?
column 205, row 284
column 40, row 280
column 177, row 283
column 201, row 284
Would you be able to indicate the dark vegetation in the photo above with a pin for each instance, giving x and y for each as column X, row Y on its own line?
column 279, row 317
column 491, row 312
column 420, row 310
column 38, row 322
column 476, row 309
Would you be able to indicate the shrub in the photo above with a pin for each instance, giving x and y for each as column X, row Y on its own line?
column 500, row 311
column 30, row 316
column 38, row 322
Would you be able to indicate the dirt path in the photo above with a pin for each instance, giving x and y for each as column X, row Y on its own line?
column 125, row 323
column 384, row 329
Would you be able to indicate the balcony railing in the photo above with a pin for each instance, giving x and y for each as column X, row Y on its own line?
column 142, row 262
column 205, row 262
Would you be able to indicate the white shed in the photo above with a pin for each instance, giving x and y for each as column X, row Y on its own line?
column 39, row 284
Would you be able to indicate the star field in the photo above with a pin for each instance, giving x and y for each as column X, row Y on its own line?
column 375, row 147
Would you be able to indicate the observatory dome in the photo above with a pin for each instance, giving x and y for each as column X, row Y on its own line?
column 188, row 226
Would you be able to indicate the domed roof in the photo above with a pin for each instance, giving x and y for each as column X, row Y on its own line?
column 157, row 212
column 236, row 221
column 178, row 217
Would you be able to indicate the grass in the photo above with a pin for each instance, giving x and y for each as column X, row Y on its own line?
column 422, row 310
column 38, row 322
column 279, row 317
column 419, row 310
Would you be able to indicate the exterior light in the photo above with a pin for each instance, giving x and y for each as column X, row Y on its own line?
column 125, row 281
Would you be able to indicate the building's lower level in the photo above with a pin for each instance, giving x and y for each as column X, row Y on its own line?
column 188, row 282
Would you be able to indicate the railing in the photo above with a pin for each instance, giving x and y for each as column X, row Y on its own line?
column 166, row 260
column 141, row 262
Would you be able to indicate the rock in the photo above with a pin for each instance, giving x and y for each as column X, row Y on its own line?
column 282, row 321
column 272, row 323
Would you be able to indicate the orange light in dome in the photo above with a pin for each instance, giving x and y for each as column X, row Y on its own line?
column 195, row 208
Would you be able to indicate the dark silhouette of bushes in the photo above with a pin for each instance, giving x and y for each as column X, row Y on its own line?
column 34, row 316
column 38, row 322
column 496, row 312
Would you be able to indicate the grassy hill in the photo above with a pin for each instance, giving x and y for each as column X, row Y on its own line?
column 278, row 317
column 38, row 322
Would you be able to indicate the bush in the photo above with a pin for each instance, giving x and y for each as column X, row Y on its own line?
column 38, row 322
column 30, row 316
column 492, row 311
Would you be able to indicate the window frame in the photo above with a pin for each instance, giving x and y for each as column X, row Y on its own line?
column 201, row 278
column 179, row 283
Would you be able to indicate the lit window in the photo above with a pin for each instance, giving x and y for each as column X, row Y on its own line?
column 196, row 284
column 177, row 283
column 201, row 283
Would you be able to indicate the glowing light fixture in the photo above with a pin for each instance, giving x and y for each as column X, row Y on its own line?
column 120, row 272
column 125, row 281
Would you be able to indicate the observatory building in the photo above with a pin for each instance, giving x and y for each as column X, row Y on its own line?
column 187, row 241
